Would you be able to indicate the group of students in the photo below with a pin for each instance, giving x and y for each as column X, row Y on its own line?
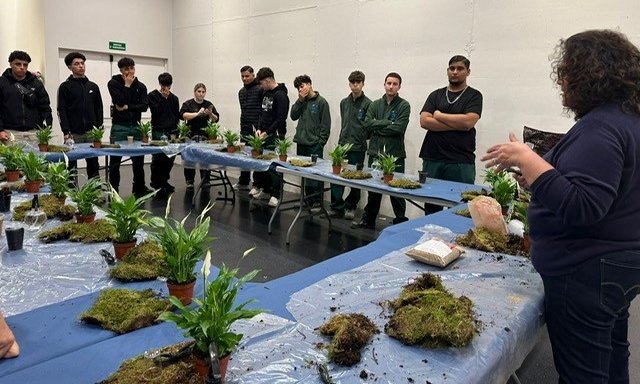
column 372, row 127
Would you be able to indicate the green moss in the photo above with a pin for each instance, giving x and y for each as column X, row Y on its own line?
column 404, row 184
column 105, row 145
column 57, row 148
column 426, row 314
column 470, row 195
column 17, row 186
column 144, row 262
column 350, row 333
column 97, row 232
column 143, row 370
column 49, row 204
column 484, row 240
column 125, row 310
column 157, row 143
column 300, row 163
column 463, row 212
column 355, row 175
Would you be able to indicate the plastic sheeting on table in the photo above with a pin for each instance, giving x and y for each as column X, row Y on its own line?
column 506, row 291
column 199, row 155
column 42, row 274
column 85, row 150
column 434, row 188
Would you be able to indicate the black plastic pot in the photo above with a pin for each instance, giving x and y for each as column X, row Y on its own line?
column 15, row 236
column 5, row 201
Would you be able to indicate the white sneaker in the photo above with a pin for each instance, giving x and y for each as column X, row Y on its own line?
column 273, row 202
column 349, row 214
column 254, row 191
column 262, row 195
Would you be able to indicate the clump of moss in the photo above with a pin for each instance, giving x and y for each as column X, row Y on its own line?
column 17, row 186
column 124, row 310
column 485, row 240
column 300, row 163
column 404, row 183
column 97, row 232
column 350, row 333
column 144, row 262
column 355, row 175
column 470, row 195
column 215, row 141
column 268, row 156
column 158, row 143
column 107, row 145
column 463, row 212
column 57, row 148
column 49, row 204
column 143, row 370
column 428, row 315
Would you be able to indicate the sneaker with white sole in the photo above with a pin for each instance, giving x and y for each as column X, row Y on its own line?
column 349, row 214
column 254, row 191
column 261, row 195
column 273, row 201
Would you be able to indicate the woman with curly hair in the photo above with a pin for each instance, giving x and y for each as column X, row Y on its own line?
column 585, row 206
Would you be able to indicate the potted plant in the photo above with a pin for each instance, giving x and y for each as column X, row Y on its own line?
column 503, row 187
column 184, row 130
column 256, row 142
column 210, row 321
column 182, row 249
column 32, row 166
column 95, row 136
column 337, row 157
column 44, row 134
column 127, row 217
column 145, row 130
column 12, row 159
column 282, row 146
column 57, row 175
column 388, row 165
column 86, row 197
column 212, row 130
column 231, row 137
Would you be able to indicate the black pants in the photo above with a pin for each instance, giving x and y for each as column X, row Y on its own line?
column 587, row 315
column 374, row 199
column 312, row 188
column 161, row 166
column 190, row 175
column 269, row 181
column 138, row 172
column 245, row 176
column 93, row 167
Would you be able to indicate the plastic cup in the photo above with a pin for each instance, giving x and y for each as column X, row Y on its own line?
column 314, row 158
column 15, row 237
column 422, row 177
column 129, row 139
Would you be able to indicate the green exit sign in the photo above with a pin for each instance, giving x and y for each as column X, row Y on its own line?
column 117, row 46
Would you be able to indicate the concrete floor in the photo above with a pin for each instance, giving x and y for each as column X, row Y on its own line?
column 238, row 227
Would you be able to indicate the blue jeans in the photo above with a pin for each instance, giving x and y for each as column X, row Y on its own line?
column 587, row 314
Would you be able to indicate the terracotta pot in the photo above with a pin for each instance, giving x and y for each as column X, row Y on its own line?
column 184, row 292
column 43, row 147
column 282, row 158
column 97, row 144
column 121, row 249
column 85, row 218
column 32, row 186
column 336, row 169
column 255, row 154
column 202, row 365
column 13, row 175
column 145, row 139
column 526, row 242
column 387, row 178
column 231, row 148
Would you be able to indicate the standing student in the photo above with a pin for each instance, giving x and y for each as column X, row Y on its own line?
column 273, row 123
column 24, row 102
column 250, row 98
column 129, row 99
column 353, row 110
column 79, row 108
column 314, row 127
column 197, row 112
column 386, row 121
column 165, row 114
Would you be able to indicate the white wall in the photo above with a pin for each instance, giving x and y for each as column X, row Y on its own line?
column 508, row 43
column 14, row 35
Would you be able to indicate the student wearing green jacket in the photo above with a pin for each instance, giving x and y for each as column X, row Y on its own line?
column 353, row 110
column 386, row 121
column 314, row 126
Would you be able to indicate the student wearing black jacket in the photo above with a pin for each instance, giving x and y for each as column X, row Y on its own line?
column 79, row 107
column 273, row 123
column 24, row 102
column 129, row 100
column 250, row 98
column 165, row 114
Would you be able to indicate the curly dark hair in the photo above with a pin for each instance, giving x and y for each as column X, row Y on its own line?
column 597, row 67
column 298, row 81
